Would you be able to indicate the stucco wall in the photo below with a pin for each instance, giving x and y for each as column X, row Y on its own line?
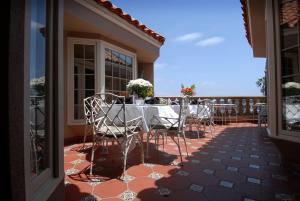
column 145, row 71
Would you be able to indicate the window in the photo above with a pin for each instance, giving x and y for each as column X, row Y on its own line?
column 290, row 70
column 96, row 66
column 39, row 136
column 84, row 76
column 118, row 71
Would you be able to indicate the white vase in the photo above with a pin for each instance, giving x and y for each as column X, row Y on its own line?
column 139, row 101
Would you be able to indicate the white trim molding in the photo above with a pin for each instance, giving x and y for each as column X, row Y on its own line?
column 100, row 46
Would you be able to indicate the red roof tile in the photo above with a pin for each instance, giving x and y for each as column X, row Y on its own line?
column 118, row 11
column 246, row 22
column 289, row 14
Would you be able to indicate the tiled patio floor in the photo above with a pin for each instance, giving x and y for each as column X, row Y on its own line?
column 239, row 163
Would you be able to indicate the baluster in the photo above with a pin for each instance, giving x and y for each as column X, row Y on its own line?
column 244, row 105
column 237, row 102
column 251, row 103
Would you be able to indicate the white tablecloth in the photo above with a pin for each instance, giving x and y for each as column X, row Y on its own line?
column 192, row 109
column 146, row 111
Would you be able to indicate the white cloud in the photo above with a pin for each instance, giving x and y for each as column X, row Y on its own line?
column 210, row 41
column 188, row 37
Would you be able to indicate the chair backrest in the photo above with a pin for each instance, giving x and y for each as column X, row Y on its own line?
column 204, row 109
column 183, row 102
column 109, row 114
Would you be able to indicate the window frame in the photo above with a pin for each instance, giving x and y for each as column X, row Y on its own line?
column 281, row 131
column 99, row 81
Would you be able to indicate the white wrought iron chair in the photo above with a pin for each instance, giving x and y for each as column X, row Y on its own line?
column 88, row 111
column 165, row 126
column 110, row 123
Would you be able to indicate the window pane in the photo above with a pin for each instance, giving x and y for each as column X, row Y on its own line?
column 116, row 84
column 120, row 68
column 78, row 51
column 108, row 83
column 116, row 70
column 289, row 17
column 89, row 82
column 290, row 62
column 89, row 66
column 39, row 149
column 89, row 51
column 78, row 66
column 290, row 81
column 84, row 77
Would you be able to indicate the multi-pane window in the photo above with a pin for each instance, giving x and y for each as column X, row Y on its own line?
column 290, row 70
column 84, row 76
column 118, row 71
column 38, row 96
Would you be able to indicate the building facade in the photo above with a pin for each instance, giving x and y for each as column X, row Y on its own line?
column 272, row 30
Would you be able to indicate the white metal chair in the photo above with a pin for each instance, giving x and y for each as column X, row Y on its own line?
column 165, row 126
column 204, row 116
column 88, row 107
column 110, row 123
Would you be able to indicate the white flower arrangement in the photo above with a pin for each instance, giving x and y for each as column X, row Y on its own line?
column 140, row 87
column 139, row 82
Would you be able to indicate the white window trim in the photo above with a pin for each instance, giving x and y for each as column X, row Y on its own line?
column 99, row 70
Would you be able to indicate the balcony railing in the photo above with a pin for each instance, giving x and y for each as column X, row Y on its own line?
column 246, row 110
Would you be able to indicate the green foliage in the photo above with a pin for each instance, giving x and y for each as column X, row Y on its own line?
column 261, row 83
column 141, row 91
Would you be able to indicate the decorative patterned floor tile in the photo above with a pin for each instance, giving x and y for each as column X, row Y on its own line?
column 195, row 161
column 279, row 177
column 164, row 191
column 248, row 199
column 78, row 161
column 128, row 195
column 155, row 175
column 222, row 151
column 196, row 188
column 216, row 160
column 150, row 165
column 232, row 169
column 90, row 198
column 127, row 178
column 94, row 181
column 183, row 173
column 236, row 158
column 208, row 171
column 253, row 180
column 101, row 159
column 254, row 156
column 226, row 184
column 254, row 166
column 239, row 150
column 285, row 197
column 71, row 171
column 203, row 153
column 274, row 164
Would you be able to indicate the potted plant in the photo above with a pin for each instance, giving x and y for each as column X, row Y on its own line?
column 188, row 91
column 140, row 89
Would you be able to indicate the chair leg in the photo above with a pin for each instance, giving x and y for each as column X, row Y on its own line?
column 183, row 135
column 147, row 148
column 178, row 145
column 142, row 148
column 92, row 156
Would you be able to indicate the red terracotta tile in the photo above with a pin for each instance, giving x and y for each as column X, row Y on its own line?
column 111, row 188
column 139, row 184
column 139, row 170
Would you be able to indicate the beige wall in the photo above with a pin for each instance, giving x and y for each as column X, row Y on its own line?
column 145, row 70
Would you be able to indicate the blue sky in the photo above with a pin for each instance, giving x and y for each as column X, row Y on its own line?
column 205, row 45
